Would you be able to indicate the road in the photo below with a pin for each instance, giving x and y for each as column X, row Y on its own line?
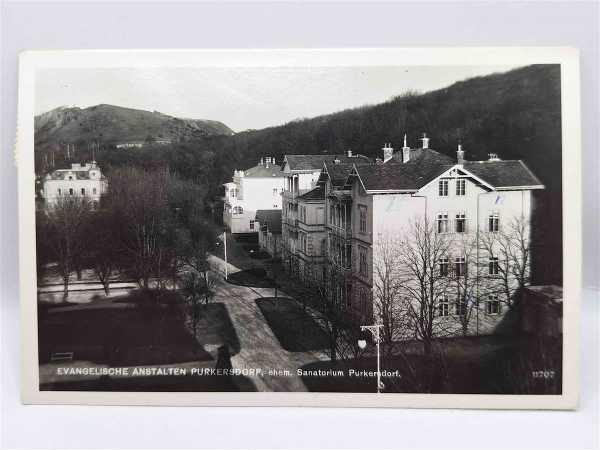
column 259, row 347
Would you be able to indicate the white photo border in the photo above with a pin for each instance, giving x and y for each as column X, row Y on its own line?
column 568, row 58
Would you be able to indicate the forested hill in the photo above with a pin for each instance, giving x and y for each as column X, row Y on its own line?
column 109, row 124
column 514, row 114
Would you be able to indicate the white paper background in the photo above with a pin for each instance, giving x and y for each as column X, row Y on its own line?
column 47, row 25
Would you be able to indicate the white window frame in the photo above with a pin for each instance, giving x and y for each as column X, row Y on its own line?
column 493, row 300
column 494, row 222
column 443, row 187
column 461, row 187
column 493, row 266
column 443, row 306
column 462, row 217
column 442, row 217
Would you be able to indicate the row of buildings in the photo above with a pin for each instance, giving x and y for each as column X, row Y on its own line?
column 333, row 218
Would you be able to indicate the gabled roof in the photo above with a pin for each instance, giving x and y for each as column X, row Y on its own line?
column 339, row 172
column 317, row 193
column 504, row 174
column 315, row 162
column 410, row 176
column 263, row 171
column 271, row 218
column 428, row 164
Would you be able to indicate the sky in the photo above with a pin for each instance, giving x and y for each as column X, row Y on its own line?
column 243, row 98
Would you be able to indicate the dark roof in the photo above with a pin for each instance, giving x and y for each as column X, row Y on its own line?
column 317, row 193
column 503, row 174
column 315, row 162
column 339, row 172
column 411, row 176
column 271, row 218
column 262, row 171
column 428, row 164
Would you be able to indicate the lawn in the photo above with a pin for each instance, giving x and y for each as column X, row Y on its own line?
column 138, row 330
column 295, row 329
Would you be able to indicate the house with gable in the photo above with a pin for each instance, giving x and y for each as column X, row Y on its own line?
column 455, row 198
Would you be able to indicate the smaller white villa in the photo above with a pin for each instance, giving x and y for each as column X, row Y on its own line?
column 80, row 180
column 259, row 187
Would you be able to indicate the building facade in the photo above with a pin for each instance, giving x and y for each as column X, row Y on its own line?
column 304, row 236
column 448, row 215
column 80, row 180
column 269, row 234
column 259, row 187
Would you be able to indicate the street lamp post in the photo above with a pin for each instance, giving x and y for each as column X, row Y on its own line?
column 225, row 251
column 374, row 329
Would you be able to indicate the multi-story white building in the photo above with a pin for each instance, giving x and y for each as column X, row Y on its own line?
column 457, row 203
column 259, row 187
column 80, row 180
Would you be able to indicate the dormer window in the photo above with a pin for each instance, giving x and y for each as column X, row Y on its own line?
column 70, row 178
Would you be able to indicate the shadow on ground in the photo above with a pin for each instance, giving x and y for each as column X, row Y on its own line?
column 134, row 330
column 255, row 277
column 295, row 329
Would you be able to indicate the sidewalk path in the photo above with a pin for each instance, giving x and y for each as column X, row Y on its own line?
column 259, row 347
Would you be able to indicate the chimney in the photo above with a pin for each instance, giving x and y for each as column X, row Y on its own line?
column 267, row 161
column 493, row 157
column 262, row 162
column 460, row 155
column 425, row 140
column 388, row 152
column 405, row 151
column 349, row 153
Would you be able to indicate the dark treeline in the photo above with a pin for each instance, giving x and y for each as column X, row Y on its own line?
column 514, row 114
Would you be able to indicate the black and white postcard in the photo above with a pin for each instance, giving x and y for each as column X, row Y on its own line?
column 382, row 228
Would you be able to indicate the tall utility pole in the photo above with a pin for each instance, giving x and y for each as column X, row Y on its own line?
column 374, row 329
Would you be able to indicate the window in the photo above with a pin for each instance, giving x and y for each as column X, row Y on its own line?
column 443, row 188
column 275, row 191
column 363, row 218
column 494, row 222
column 362, row 261
column 444, row 265
column 323, row 246
column 493, row 265
column 363, row 299
column 94, row 191
column 442, row 223
column 349, row 295
column 460, row 307
column 70, row 191
column 82, row 191
column 252, row 224
column 70, row 178
column 461, row 223
column 461, row 186
column 59, row 191
column 443, row 306
column 232, row 193
column 238, row 210
column 460, row 266
column 492, row 305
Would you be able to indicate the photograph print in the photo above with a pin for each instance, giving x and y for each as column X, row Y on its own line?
column 374, row 229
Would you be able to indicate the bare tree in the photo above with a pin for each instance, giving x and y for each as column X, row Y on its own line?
column 141, row 199
column 509, row 253
column 104, row 245
column 67, row 220
column 425, row 285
